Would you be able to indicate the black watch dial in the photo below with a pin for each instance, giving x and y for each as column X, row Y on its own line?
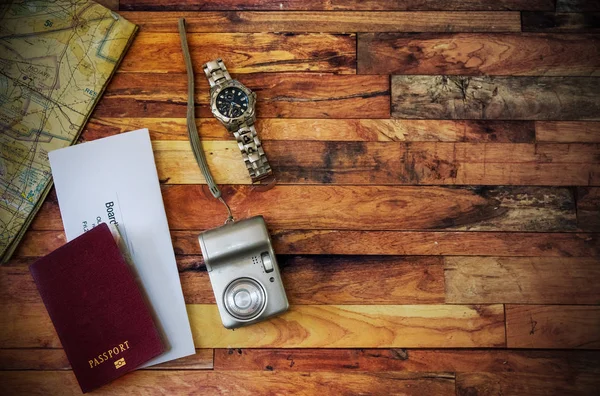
column 232, row 102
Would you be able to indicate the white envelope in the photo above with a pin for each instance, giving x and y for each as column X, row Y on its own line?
column 114, row 180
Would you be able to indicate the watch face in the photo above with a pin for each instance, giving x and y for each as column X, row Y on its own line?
column 232, row 102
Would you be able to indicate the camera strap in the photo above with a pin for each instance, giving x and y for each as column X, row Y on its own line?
column 191, row 124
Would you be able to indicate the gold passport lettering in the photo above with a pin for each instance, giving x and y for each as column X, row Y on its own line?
column 103, row 357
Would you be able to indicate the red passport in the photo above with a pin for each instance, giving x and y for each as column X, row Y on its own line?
column 99, row 313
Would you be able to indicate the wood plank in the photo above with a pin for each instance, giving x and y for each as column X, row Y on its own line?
column 332, row 280
column 561, row 22
column 327, row 22
column 577, row 5
column 383, row 280
column 588, row 208
column 312, row 207
column 287, row 95
column 525, row 384
column 510, row 98
column 48, row 217
column 428, row 243
column 389, row 163
column 209, row 382
column 55, row 359
column 433, row 243
column 530, row 280
column 26, row 326
column 110, row 4
column 410, row 360
column 572, row 362
column 332, row 5
column 304, row 326
column 308, row 280
column 243, row 52
column 376, row 208
column 356, row 326
column 39, row 243
column 567, row 131
column 479, row 54
column 553, row 326
column 383, row 130
column 33, row 359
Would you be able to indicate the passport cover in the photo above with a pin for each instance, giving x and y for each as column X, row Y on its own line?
column 99, row 313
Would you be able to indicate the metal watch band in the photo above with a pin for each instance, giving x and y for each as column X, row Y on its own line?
column 216, row 72
column 252, row 151
column 246, row 136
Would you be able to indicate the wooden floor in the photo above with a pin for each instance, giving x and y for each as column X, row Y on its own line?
column 437, row 212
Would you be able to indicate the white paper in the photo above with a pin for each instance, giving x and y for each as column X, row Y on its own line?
column 115, row 180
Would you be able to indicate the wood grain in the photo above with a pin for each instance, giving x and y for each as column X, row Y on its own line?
column 547, row 362
column 376, row 208
column 525, row 384
column 309, row 326
column 560, row 22
column 33, row 359
column 382, row 130
column 479, row 54
column 238, row 383
column 530, row 280
column 588, row 209
column 389, row 163
column 511, row 98
column 432, row 243
column 383, row 280
column 577, row 5
column 415, row 250
column 288, row 95
column 308, row 280
column 330, row 5
column 327, row 22
column 243, row 52
column 27, row 325
column 553, row 326
column 410, row 360
column 39, row 243
column 55, row 359
column 427, row 243
column 567, row 131
column 192, row 207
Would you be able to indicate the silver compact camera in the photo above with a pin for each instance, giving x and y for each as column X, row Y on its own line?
column 243, row 272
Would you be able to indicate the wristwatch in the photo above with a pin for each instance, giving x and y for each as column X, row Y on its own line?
column 233, row 104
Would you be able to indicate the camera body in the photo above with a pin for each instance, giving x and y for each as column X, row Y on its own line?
column 243, row 271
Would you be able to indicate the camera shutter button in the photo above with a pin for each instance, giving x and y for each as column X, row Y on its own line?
column 267, row 262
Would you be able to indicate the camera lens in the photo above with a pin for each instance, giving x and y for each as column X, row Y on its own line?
column 244, row 298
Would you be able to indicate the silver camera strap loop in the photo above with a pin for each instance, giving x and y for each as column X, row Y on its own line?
column 230, row 218
column 191, row 124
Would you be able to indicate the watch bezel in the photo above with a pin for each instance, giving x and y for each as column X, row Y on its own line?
column 249, row 114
